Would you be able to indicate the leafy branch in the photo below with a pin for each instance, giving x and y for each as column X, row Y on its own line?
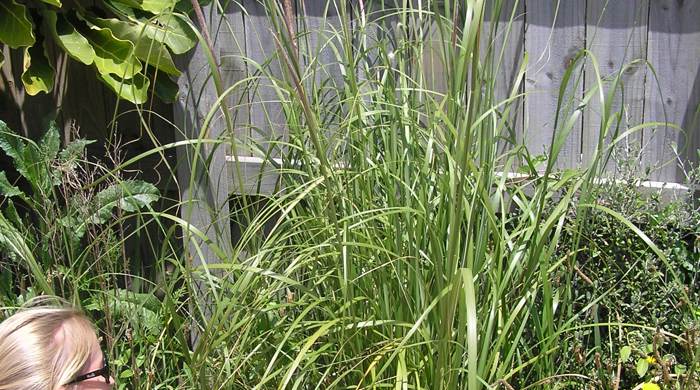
column 125, row 41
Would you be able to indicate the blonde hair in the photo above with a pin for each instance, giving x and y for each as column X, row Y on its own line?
column 44, row 345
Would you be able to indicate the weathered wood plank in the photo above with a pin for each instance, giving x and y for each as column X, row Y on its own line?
column 319, row 26
column 377, row 22
column 203, row 177
column 616, row 34
column 508, row 43
column 320, row 44
column 231, row 47
column 267, row 118
column 506, row 49
column 554, row 34
column 674, row 51
column 433, row 62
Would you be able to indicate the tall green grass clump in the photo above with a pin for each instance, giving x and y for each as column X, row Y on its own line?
column 400, row 252
column 417, row 261
column 413, row 242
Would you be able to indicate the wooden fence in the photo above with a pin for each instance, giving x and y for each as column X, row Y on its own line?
column 660, row 37
column 663, row 35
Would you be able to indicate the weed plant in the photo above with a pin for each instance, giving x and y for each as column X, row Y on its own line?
column 398, row 252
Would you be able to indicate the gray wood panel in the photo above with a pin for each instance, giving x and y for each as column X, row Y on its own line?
column 507, row 48
column 267, row 121
column 616, row 34
column 378, row 20
column 230, row 45
column 232, row 48
column 433, row 61
column 674, row 51
column 508, row 43
column 320, row 38
column 319, row 26
column 203, row 177
column 552, row 43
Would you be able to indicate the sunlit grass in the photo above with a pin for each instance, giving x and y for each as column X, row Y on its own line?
column 398, row 252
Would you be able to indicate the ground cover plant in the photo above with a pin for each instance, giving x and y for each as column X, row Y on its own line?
column 395, row 253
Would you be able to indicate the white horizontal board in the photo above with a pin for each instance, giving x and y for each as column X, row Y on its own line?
column 262, row 178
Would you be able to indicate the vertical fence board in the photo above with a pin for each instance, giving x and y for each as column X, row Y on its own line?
column 674, row 51
column 319, row 26
column 231, row 49
column 379, row 20
column 507, row 48
column 202, row 173
column 551, row 51
column 232, row 46
column 267, row 119
column 435, row 76
column 509, row 42
column 319, row 41
column 616, row 35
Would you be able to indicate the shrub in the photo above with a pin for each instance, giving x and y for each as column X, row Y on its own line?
column 124, row 41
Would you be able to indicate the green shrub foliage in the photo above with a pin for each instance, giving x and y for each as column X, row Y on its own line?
column 51, row 214
column 125, row 41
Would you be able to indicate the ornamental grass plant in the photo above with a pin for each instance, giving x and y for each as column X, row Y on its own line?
column 412, row 241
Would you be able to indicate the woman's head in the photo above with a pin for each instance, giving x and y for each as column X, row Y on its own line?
column 47, row 345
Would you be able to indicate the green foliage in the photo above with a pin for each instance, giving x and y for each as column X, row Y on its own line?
column 45, row 215
column 641, row 287
column 121, row 39
column 16, row 28
column 129, row 195
column 38, row 75
column 631, row 284
column 393, row 256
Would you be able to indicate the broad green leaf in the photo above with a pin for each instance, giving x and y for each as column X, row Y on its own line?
column 680, row 369
column 65, row 34
column 145, row 300
column 29, row 161
column 134, row 90
column 16, row 28
column 75, row 226
column 6, row 188
column 173, row 31
column 146, row 321
column 147, row 49
column 129, row 195
column 38, row 75
column 642, row 367
column 113, row 55
column 120, row 9
column 165, row 88
column 55, row 3
column 37, row 171
column 13, row 146
column 26, row 159
column 73, row 152
column 625, row 353
column 185, row 7
column 126, row 374
column 50, row 143
column 11, row 213
column 155, row 6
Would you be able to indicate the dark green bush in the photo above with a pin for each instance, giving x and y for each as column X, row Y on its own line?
column 631, row 284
